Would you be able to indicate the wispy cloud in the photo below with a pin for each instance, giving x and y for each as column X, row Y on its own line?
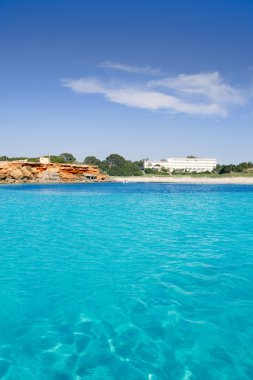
column 208, row 85
column 130, row 69
column 199, row 94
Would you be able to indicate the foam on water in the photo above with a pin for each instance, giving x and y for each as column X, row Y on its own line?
column 126, row 281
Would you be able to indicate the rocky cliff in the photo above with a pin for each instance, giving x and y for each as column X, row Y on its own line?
column 29, row 172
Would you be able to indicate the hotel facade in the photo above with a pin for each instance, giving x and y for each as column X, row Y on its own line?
column 184, row 164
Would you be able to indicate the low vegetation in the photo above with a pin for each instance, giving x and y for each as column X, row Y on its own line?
column 243, row 167
column 63, row 158
column 117, row 165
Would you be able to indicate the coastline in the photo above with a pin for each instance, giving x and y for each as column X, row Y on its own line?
column 37, row 172
column 144, row 179
column 185, row 179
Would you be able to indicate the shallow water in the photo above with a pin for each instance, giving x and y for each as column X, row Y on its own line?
column 126, row 281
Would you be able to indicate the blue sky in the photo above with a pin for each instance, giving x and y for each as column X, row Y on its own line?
column 146, row 79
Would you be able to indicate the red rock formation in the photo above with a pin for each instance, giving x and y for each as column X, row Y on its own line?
column 22, row 172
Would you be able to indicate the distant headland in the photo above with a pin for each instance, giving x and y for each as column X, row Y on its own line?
column 47, row 172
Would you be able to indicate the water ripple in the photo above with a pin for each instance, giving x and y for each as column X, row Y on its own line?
column 112, row 281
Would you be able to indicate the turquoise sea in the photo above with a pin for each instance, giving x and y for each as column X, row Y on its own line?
column 126, row 282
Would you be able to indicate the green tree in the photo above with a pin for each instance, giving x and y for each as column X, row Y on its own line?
column 115, row 160
column 140, row 163
column 68, row 157
column 164, row 171
column 4, row 158
column 116, row 165
column 57, row 159
column 226, row 169
column 92, row 160
column 245, row 166
column 151, row 171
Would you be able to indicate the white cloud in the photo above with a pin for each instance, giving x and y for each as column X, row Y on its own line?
column 87, row 85
column 205, row 94
column 143, row 97
column 129, row 69
column 209, row 85
column 153, row 100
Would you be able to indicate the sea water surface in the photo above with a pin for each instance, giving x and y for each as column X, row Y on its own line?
column 126, row 281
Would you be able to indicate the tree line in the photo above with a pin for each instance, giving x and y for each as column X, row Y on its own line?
column 231, row 168
column 117, row 165
column 114, row 164
column 62, row 158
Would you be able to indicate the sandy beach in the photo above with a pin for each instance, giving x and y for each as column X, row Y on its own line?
column 200, row 180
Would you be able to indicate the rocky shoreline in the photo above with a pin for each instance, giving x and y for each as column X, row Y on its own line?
column 35, row 172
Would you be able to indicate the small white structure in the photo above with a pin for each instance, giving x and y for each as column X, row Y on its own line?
column 157, row 165
column 185, row 164
column 45, row 160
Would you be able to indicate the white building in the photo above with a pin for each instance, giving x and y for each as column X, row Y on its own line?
column 184, row 164
column 45, row 160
